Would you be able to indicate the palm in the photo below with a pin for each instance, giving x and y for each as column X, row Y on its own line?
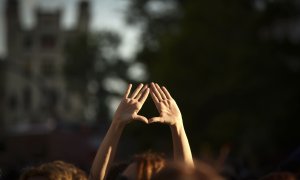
column 166, row 106
column 169, row 111
column 130, row 105
column 128, row 109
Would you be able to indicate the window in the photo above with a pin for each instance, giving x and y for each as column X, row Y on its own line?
column 67, row 105
column 48, row 41
column 50, row 99
column 27, row 95
column 27, row 42
column 12, row 102
column 27, row 67
column 48, row 68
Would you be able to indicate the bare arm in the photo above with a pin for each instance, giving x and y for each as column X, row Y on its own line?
column 170, row 114
column 125, row 113
column 181, row 145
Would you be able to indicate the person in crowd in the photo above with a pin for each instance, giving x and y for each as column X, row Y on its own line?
column 141, row 166
column 56, row 170
column 145, row 166
column 280, row 176
column 179, row 171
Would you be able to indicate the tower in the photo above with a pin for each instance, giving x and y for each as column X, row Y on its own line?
column 34, row 85
column 12, row 25
column 83, row 16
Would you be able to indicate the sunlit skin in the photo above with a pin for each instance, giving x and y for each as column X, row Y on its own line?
column 166, row 106
column 130, row 105
column 130, row 172
column 171, row 115
column 127, row 112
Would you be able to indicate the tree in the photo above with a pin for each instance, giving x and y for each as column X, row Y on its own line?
column 2, row 73
column 231, row 78
column 91, row 60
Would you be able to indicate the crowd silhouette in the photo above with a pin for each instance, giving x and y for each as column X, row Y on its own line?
column 148, row 165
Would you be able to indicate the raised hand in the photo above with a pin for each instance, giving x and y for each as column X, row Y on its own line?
column 130, row 105
column 170, row 114
column 166, row 106
column 125, row 113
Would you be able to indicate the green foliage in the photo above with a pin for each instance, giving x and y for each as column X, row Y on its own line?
column 233, row 83
column 81, row 54
column 90, row 60
column 2, row 74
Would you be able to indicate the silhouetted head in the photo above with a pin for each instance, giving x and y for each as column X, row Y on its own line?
column 181, row 171
column 280, row 176
column 56, row 170
column 142, row 167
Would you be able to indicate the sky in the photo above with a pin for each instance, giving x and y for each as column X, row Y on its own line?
column 105, row 15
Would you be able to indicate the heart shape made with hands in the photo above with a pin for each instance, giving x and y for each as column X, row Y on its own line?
column 130, row 105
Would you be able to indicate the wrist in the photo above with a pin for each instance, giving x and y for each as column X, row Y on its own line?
column 178, row 126
column 117, row 124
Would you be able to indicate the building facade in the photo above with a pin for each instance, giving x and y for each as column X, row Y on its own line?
column 35, row 90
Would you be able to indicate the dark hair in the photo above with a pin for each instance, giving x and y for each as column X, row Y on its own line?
column 280, row 176
column 55, row 170
column 181, row 171
column 116, row 170
column 147, row 164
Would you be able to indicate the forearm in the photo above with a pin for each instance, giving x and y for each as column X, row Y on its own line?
column 181, row 147
column 106, row 152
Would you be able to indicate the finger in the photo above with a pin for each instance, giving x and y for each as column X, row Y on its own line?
column 162, row 94
column 155, row 119
column 137, row 90
column 155, row 100
column 153, row 96
column 141, row 92
column 144, row 96
column 155, row 91
column 166, row 92
column 128, row 91
column 141, row 118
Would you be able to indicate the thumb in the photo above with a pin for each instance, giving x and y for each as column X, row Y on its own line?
column 141, row 118
column 155, row 119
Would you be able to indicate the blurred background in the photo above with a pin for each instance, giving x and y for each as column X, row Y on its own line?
column 232, row 66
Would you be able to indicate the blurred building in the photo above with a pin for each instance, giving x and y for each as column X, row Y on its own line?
column 35, row 91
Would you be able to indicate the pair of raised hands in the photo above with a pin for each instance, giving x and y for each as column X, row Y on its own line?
column 132, row 103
